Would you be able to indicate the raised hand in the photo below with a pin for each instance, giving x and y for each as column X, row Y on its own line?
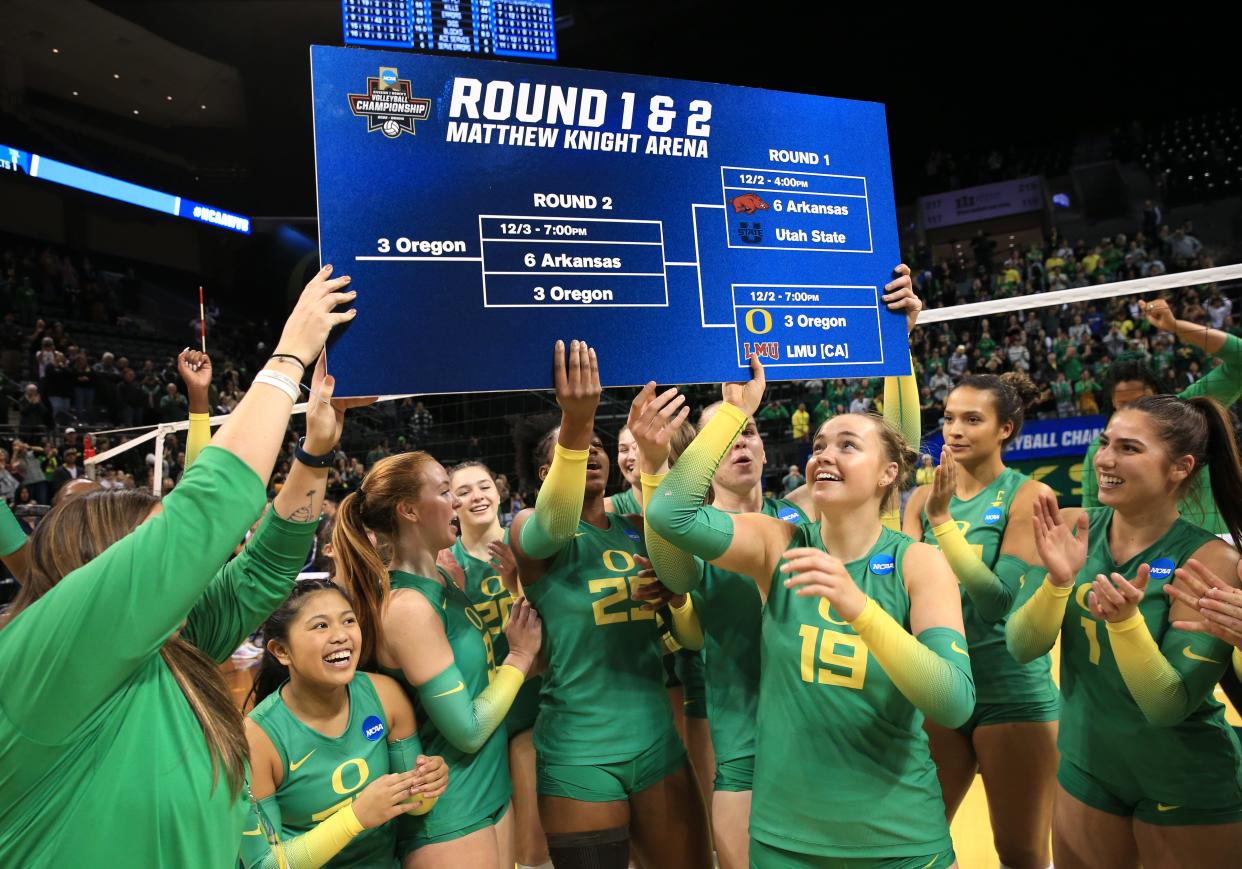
column 575, row 377
column 814, row 572
column 653, row 421
column 194, row 366
column 747, row 396
column 1115, row 598
column 325, row 415
column 312, row 317
column 899, row 296
column 1062, row 553
column 505, row 562
column 944, row 487
column 1159, row 314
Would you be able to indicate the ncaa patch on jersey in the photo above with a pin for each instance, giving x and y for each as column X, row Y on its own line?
column 882, row 564
column 632, row 534
column 992, row 515
column 789, row 514
column 373, row 728
column 1162, row 568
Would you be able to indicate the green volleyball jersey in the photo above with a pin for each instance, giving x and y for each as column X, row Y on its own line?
column 625, row 504
column 492, row 601
column 730, row 612
column 481, row 783
column 1103, row 730
column 603, row 694
column 323, row 774
column 842, row 765
column 999, row 678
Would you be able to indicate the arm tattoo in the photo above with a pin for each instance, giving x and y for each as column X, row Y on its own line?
column 303, row 513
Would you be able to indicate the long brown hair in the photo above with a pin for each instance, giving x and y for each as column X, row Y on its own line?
column 1201, row 427
column 362, row 566
column 74, row 533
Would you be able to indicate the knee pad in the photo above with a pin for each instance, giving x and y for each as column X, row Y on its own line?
column 593, row 849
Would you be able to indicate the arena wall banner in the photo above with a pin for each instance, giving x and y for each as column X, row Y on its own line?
column 1041, row 438
column 485, row 209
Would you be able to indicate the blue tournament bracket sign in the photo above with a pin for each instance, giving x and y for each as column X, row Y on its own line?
column 486, row 209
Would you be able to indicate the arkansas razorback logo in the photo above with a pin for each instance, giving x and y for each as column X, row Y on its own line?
column 748, row 202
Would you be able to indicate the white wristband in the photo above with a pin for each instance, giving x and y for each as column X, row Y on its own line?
column 284, row 385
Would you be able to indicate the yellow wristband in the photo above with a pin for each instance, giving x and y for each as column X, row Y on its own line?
column 572, row 455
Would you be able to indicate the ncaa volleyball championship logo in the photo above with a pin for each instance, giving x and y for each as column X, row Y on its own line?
column 388, row 105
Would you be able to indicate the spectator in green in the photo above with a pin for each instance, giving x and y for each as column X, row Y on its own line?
column 820, row 413
column 1063, row 394
column 773, row 411
column 1087, row 390
column 1072, row 364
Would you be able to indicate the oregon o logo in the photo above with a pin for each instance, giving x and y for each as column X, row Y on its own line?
column 1162, row 568
column 825, row 612
column 612, row 556
column 338, row 779
column 492, row 586
column 475, row 618
column 882, row 564
column 992, row 515
column 750, row 321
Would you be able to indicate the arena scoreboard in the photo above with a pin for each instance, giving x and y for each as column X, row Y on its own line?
column 504, row 28
column 486, row 209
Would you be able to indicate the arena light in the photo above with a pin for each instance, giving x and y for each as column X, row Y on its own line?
column 47, row 169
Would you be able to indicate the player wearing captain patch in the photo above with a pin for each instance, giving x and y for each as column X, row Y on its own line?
column 1144, row 744
column 978, row 513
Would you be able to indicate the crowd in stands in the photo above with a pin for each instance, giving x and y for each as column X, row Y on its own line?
column 64, row 378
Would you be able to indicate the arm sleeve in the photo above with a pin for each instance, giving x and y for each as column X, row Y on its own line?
column 677, row 513
column 105, row 620
column 901, row 411
column 12, row 537
column 466, row 721
column 559, row 505
column 686, row 628
column 1224, row 382
column 403, row 757
column 1033, row 628
column 677, row 569
column 198, row 436
column 992, row 594
column 250, row 587
column 1171, row 680
column 933, row 671
column 312, row 849
column 1090, row 486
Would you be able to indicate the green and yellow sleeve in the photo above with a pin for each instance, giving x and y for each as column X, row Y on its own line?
column 1033, row 627
column 901, row 411
column 311, row 850
column 1169, row 681
column 467, row 721
column 932, row 671
column 103, row 621
column 992, row 593
column 686, row 627
column 676, row 512
column 676, row 568
column 558, row 508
